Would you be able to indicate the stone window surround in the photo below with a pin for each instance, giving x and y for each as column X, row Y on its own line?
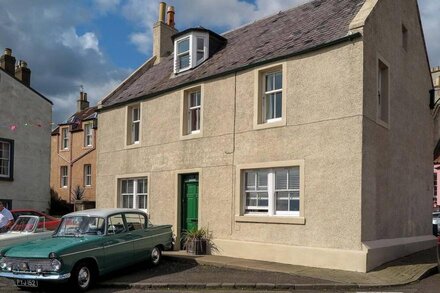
column 259, row 85
column 278, row 219
column 64, row 130
column 118, row 180
column 10, row 177
column 183, row 132
column 127, row 134
column 379, row 58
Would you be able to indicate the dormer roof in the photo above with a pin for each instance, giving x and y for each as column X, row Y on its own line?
column 308, row 27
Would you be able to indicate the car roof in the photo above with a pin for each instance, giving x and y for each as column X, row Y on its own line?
column 104, row 212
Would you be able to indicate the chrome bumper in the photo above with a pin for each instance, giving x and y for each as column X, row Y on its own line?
column 42, row 277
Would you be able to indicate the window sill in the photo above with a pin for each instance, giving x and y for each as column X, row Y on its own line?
column 4, row 178
column 193, row 135
column 133, row 146
column 277, row 123
column 271, row 219
column 64, row 150
column 87, row 147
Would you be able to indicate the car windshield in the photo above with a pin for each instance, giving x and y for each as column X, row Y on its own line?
column 80, row 225
column 25, row 224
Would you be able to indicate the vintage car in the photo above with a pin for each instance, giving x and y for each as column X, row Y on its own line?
column 86, row 245
column 25, row 228
column 51, row 223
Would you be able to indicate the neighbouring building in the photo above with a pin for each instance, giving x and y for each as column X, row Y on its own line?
column 283, row 136
column 73, row 156
column 435, row 72
column 25, row 124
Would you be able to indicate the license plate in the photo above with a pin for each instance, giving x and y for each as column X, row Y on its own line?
column 26, row 283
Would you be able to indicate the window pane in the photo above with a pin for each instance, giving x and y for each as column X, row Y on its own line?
column 251, row 199
column 278, row 105
column 263, row 199
column 200, row 44
column 262, row 180
column 250, row 183
column 270, row 99
column 184, row 61
column 200, row 56
column 142, row 201
column 294, row 178
column 127, row 201
column 278, row 80
column 142, row 186
column 135, row 114
column 281, row 179
column 294, row 205
column 136, row 131
column 269, row 82
column 282, row 201
column 194, row 99
column 183, row 46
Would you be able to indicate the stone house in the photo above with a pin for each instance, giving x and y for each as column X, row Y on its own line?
column 73, row 155
column 25, row 123
column 281, row 136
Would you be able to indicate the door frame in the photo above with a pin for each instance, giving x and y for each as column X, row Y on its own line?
column 178, row 200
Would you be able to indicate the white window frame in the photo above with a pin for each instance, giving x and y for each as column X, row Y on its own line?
column 192, row 37
column 88, row 134
column 135, row 195
column 266, row 95
column 64, row 176
column 88, row 175
column 193, row 110
column 271, row 193
column 7, row 159
column 184, row 53
column 65, row 138
column 135, row 123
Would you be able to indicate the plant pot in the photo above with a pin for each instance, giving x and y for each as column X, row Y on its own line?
column 196, row 246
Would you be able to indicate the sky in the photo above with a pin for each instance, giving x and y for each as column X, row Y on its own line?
column 96, row 44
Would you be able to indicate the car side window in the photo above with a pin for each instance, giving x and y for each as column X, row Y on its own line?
column 135, row 221
column 115, row 224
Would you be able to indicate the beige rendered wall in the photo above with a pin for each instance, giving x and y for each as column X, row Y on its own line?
column 397, row 158
column 74, row 158
column 322, row 129
column 20, row 105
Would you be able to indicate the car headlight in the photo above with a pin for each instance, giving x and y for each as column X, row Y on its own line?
column 55, row 264
column 3, row 263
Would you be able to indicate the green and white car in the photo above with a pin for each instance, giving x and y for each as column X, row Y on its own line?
column 86, row 245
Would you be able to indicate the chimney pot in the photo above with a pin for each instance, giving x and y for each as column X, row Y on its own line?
column 23, row 73
column 8, row 51
column 162, row 8
column 170, row 18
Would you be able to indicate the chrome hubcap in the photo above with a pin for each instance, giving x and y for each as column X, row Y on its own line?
column 83, row 277
column 155, row 255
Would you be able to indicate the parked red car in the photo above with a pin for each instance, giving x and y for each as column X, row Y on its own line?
column 51, row 223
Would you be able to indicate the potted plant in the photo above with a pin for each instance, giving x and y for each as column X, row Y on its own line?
column 77, row 196
column 196, row 240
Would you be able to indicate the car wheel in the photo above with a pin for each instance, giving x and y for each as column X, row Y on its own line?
column 82, row 276
column 155, row 256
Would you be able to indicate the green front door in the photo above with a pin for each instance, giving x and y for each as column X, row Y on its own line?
column 190, row 201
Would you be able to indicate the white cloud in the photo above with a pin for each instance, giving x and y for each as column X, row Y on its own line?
column 87, row 41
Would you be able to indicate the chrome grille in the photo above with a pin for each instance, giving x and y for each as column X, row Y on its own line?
column 29, row 264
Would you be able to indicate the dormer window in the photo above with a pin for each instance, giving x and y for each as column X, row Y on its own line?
column 194, row 46
column 190, row 51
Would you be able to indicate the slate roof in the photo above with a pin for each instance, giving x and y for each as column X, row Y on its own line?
column 76, row 119
column 286, row 33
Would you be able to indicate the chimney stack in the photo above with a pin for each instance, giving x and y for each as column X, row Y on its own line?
column 162, row 31
column 7, row 62
column 23, row 73
column 82, row 103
